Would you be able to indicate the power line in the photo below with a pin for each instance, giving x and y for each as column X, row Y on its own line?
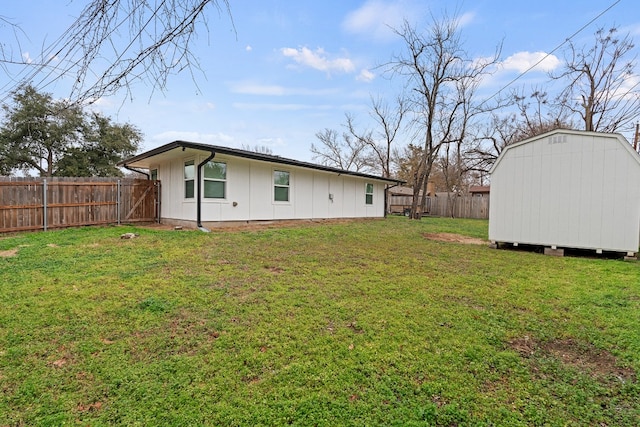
column 551, row 52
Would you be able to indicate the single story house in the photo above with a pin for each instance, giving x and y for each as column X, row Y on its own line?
column 567, row 189
column 205, row 185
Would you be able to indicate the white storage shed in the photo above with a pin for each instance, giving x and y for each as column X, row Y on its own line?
column 567, row 189
column 206, row 185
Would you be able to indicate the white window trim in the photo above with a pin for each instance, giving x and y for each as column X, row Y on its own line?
column 184, row 180
column 273, row 187
column 373, row 192
column 225, row 180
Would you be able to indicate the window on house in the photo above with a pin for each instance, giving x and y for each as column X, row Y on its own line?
column 215, row 180
column 154, row 174
column 281, row 186
column 189, row 179
column 368, row 194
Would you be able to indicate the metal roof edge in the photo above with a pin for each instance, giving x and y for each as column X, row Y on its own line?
column 252, row 156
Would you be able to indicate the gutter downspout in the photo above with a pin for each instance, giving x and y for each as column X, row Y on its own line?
column 199, row 199
column 148, row 175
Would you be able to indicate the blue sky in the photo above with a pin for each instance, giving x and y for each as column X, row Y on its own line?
column 285, row 70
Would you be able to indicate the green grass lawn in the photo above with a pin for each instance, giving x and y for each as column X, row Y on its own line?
column 359, row 323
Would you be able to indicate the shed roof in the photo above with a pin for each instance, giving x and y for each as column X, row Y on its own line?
column 616, row 136
column 147, row 159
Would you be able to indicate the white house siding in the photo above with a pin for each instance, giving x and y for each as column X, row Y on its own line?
column 568, row 189
column 250, row 185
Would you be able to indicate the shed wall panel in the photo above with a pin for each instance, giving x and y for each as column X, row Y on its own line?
column 568, row 189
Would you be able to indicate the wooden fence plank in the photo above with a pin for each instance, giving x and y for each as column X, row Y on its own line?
column 458, row 206
column 74, row 202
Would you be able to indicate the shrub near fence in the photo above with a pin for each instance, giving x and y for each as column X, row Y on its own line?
column 40, row 204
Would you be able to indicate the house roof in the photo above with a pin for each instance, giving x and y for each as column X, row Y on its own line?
column 616, row 136
column 402, row 191
column 147, row 159
column 479, row 189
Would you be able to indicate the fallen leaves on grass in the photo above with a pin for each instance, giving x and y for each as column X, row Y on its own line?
column 59, row 363
column 96, row 406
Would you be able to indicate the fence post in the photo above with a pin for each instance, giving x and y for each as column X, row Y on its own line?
column 44, row 204
column 118, row 200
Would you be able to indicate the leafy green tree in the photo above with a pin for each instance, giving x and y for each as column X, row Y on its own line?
column 56, row 138
column 105, row 144
column 37, row 130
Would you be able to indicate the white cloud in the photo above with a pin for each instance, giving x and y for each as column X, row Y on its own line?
column 27, row 57
column 523, row 61
column 98, row 103
column 627, row 89
column 248, row 48
column 318, row 59
column 365, row 76
column 465, row 19
column 378, row 18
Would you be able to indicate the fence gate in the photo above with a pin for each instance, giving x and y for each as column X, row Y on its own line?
column 139, row 201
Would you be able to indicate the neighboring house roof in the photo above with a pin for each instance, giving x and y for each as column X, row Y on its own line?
column 401, row 191
column 480, row 189
column 557, row 132
column 148, row 158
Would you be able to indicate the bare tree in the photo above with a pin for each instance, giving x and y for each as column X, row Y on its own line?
column 261, row 149
column 114, row 43
column 346, row 153
column 602, row 85
column 500, row 131
column 534, row 115
column 389, row 119
column 368, row 149
column 441, row 78
column 539, row 114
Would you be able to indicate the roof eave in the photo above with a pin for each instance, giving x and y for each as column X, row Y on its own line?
column 250, row 155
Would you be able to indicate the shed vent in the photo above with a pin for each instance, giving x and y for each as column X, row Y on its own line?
column 558, row 139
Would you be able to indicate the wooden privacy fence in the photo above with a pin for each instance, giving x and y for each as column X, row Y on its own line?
column 44, row 203
column 458, row 206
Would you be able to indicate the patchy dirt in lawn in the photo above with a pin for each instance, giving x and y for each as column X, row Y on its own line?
column 8, row 253
column 455, row 238
column 582, row 356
